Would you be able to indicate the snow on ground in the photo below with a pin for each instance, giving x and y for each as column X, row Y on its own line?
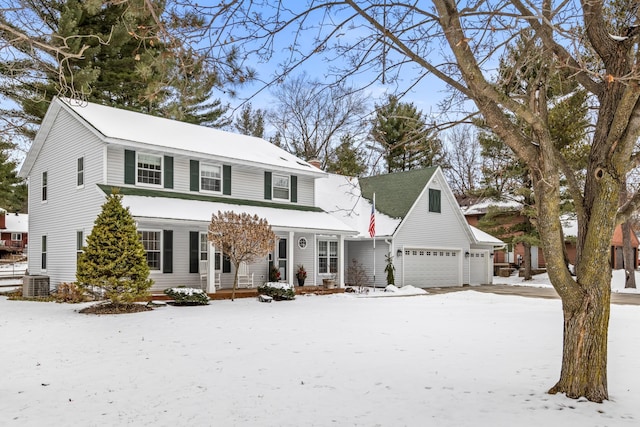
column 542, row 281
column 455, row 359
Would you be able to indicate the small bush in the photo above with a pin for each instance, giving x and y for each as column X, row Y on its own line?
column 187, row 296
column 278, row 291
column 69, row 292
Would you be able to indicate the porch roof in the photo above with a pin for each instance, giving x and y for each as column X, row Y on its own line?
column 164, row 208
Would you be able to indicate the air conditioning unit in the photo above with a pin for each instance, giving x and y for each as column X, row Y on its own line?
column 35, row 286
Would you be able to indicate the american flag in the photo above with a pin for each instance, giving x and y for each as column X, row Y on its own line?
column 372, row 222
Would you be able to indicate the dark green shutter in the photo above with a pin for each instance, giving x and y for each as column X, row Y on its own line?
column 226, row 264
column 434, row 200
column 194, row 251
column 167, row 251
column 226, row 180
column 294, row 189
column 267, row 185
column 194, row 175
column 168, row 172
column 129, row 167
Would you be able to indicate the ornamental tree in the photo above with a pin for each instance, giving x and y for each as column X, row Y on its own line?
column 241, row 237
column 114, row 259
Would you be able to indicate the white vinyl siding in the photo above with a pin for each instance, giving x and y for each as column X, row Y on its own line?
column 66, row 209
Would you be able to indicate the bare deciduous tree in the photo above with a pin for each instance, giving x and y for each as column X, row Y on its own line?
column 312, row 119
column 593, row 42
column 464, row 160
column 241, row 237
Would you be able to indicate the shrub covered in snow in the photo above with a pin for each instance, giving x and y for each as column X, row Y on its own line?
column 187, row 296
column 277, row 290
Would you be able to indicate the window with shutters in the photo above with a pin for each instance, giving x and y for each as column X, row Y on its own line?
column 152, row 243
column 149, row 169
column 210, row 178
column 280, row 187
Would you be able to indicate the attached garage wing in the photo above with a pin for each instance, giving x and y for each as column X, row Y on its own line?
column 432, row 267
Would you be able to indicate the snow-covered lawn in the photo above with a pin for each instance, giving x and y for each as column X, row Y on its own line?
column 457, row 359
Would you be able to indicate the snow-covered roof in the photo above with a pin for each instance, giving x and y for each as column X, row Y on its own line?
column 569, row 225
column 341, row 197
column 482, row 205
column 15, row 222
column 118, row 126
column 199, row 210
column 485, row 238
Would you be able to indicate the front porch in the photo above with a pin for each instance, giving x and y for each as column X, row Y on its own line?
column 225, row 293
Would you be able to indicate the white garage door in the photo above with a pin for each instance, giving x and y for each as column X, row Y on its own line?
column 479, row 264
column 431, row 267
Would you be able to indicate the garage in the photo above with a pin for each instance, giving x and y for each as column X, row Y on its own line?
column 479, row 265
column 431, row 267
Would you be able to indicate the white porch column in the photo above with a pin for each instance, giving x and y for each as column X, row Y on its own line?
column 341, row 261
column 290, row 266
column 211, row 268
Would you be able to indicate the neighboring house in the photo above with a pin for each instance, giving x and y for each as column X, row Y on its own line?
column 173, row 176
column 474, row 209
column 14, row 232
column 616, row 259
column 417, row 221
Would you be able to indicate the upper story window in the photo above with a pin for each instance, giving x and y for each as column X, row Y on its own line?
column 44, row 186
column 149, row 169
column 434, row 201
column 280, row 187
column 80, row 172
column 210, row 178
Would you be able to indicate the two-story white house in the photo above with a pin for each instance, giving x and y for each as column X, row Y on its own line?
column 173, row 176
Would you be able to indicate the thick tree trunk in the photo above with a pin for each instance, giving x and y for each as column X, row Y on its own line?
column 527, row 261
column 584, row 356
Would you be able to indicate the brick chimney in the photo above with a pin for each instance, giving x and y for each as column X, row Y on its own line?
column 3, row 223
column 315, row 162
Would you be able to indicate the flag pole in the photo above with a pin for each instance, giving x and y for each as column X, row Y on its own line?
column 373, row 212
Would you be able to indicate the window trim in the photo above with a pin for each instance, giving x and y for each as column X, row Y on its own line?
column 14, row 235
column 432, row 207
column 211, row 165
column 79, row 242
column 159, row 249
column 43, row 253
column 274, row 177
column 328, row 257
column 160, row 183
column 203, row 235
column 80, row 172
column 45, row 185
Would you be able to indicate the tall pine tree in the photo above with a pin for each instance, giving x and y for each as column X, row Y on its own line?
column 401, row 133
